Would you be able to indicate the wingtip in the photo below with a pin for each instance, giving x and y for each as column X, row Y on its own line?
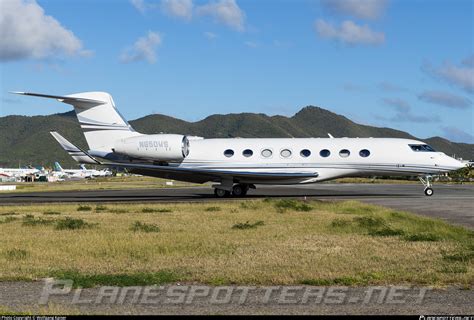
column 17, row 92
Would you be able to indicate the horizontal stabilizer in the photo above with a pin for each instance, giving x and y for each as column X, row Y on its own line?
column 66, row 99
column 75, row 152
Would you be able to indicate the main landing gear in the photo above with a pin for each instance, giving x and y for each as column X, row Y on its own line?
column 238, row 190
column 221, row 193
column 427, row 183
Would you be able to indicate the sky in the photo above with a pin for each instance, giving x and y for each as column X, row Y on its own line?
column 408, row 65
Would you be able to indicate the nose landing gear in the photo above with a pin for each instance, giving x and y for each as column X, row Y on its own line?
column 427, row 183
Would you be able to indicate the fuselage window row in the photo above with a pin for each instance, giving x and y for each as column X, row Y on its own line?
column 305, row 153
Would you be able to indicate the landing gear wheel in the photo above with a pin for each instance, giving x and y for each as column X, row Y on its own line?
column 427, row 183
column 239, row 190
column 221, row 193
column 428, row 192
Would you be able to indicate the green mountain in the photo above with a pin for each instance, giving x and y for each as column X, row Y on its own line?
column 26, row 140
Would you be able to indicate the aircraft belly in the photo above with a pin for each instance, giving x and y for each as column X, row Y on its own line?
column 181, row 176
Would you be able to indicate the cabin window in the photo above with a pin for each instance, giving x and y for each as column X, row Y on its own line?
column 285, row 153
column 325, row 153
column 229, row 153
column 247, row 153
column 364, row 153
column 421, row 148
column 267, row 153
column 305, row 153
column 344, row 153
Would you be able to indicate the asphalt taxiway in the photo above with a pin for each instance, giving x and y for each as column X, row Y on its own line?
column 451, row 202
column 409, row 300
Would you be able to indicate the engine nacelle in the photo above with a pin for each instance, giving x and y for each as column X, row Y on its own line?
column 156, row 147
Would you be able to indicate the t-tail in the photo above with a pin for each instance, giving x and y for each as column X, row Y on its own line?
column 100, row 121
column 57, row 167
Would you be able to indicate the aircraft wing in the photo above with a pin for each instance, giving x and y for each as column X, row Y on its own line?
column 217, row 173
column 202, row 175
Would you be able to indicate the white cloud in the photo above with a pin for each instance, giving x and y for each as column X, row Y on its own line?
column 469, row 61
column 140, row 5
column 445, row 99
column 390, row 87
column 399, row 104
column 457, row 135
column 460, row 76
column 143, row 49
column 349, row 33
column 178, row 8
column 226, row 12
column 403, row 112
column 210, row 35
column 251, row 44
column 354, row 87
column 27, row 32
column 363, row 9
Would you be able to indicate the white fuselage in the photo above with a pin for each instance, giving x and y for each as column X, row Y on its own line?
column 14, row 172
column 113, row 142
column 83, row 173
column 388, row 156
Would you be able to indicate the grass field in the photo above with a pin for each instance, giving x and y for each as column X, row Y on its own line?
column 141, row 182
column 242, row 242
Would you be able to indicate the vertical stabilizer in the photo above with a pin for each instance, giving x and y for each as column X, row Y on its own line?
column 100, row 121
column 57, row 167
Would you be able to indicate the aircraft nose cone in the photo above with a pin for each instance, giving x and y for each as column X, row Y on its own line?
column 457, row 164
column 461, row 165
column 454, row 164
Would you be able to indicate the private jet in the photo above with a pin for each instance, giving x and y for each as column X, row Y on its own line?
column 79, row 173
column 234, row 165
column 18, row 172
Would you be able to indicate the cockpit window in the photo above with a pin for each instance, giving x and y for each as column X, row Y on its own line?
column 421, row 148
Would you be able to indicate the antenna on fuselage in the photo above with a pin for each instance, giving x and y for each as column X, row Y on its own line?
column 330, row 136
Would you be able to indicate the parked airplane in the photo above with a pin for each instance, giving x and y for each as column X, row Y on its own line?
column 80, row 173
column 18, row 172
column 236, row 165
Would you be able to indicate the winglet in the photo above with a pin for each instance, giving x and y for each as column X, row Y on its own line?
column 330, row 136
column 75, row 152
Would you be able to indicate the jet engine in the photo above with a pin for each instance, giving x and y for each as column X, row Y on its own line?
column 156, row 147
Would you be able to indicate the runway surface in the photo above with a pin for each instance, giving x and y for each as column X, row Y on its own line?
column 453, row 203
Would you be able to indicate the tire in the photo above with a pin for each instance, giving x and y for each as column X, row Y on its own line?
column 429, row 192
column 239, row 190
column 221, row 193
